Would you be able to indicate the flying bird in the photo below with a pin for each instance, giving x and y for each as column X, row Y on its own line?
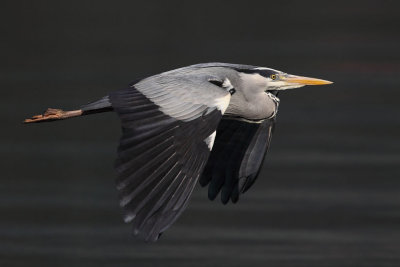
column 210, row 123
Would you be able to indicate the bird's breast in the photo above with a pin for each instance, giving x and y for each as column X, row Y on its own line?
column 264, row 106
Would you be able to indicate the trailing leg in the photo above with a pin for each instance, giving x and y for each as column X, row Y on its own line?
column 51, row 114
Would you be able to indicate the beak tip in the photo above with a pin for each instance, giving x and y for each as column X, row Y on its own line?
column 314, row 81
column 307, row 80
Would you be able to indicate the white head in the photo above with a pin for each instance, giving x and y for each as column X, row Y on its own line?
column 271, row 80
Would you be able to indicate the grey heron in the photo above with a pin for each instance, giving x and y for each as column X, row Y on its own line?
column 210, row 123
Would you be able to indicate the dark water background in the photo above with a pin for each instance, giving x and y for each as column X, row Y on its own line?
column 328, row 195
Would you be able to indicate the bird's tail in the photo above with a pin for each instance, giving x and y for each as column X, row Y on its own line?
column 51, row 114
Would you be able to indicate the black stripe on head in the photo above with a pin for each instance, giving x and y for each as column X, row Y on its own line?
column 263, row 72
column 217, row 83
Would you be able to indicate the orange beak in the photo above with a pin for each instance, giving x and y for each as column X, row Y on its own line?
column 305, row 80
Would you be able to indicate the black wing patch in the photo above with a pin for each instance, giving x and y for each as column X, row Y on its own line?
column 159, row 161
column 236, row 158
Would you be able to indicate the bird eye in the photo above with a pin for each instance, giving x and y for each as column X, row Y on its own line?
column 273, row 76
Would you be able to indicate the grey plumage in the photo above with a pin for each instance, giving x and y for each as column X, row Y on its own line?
column 159, row 161
column 211, row 122
column 193, row 85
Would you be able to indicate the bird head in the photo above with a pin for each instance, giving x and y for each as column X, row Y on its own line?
column 275, row 80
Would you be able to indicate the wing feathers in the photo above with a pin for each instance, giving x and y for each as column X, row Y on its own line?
column 160, row 156
column 236, row 157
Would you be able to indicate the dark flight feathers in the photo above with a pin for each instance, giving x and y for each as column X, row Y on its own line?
column 236, row 158
column 159, row 161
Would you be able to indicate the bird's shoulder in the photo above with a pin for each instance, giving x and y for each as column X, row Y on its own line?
column 199, row 72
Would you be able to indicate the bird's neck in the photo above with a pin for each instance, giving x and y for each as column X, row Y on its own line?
column 276, row 101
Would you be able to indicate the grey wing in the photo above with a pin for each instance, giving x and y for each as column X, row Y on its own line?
column 235, row 161
column 166, row 127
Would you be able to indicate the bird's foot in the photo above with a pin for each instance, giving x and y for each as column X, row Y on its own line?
column 52, row 114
